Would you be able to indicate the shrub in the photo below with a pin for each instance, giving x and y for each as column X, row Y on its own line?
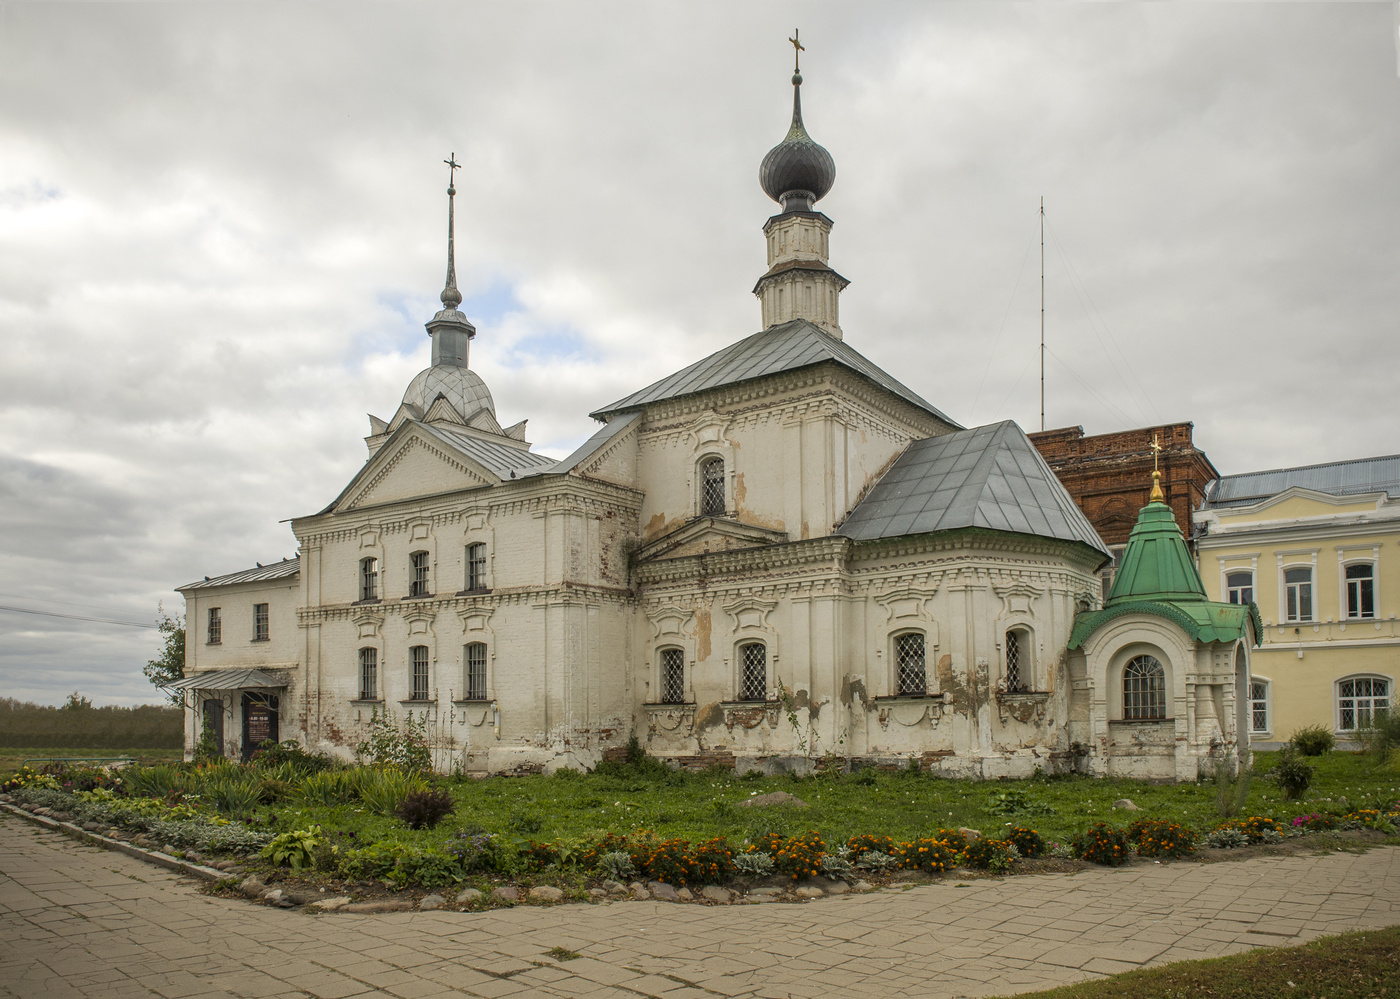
column 926, row 854
column 1231, row 788
column 294, row 849
column 838, row 865
column 1381, row 737
column 388, row 745
column 1161, row 838
column 1101, row 843
column 383, row 790
column 769, row 843
column 293, row 757
column 801, row 856
column 329, row 787
column 234, row 795
column 1369, row 818
column 1258, row 828
column 714, row 859
column 1291, row 774
column 617, row 865
column 1314, row 740
column 593, row 854
column 1226, row 838
column 754, row 864
column 994, row 855
column 860, row 845
column 425, row 809
column 474, row 850
column 1315, row 822
column 672, row 862
column 956, row 840
column 1028, row 842
column 878, row 861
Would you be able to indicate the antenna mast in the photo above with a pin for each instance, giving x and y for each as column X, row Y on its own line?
column 1042, row 312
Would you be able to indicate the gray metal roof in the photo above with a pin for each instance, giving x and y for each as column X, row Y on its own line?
column 990, row 477
column 1339, row 478
column 241, row 678
column 502, row 459
column 285, row 569
column 787, row 347
column 595, row 443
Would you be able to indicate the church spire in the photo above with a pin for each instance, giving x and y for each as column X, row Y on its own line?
column 797, row 173
column 451, row 331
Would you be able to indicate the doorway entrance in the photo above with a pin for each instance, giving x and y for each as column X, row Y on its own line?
column 213, row 716
column 259, row 721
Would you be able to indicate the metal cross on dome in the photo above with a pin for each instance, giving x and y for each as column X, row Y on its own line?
column 451, row 161
column 797, row 48
column 1156, row 450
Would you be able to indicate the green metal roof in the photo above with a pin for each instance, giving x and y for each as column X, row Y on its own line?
column 1159, row 577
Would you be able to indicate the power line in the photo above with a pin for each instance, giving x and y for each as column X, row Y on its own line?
column 1002, row 329
column 76, row 617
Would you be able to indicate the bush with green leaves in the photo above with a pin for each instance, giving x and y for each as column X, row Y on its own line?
column 233, row 795
column 754, row 864
column 617, row 866
column 838, row 865
column 1291, row 774
column 291, row 756
column 1313, row 740
column 878, row 861
column 425, row 809
column 995, row 855
column 388, row 744
column 1226, row 838
column 1028, row 842
column 1231, row 787
column 926, row 854
column 383, row 790
column 330, row 788
column 1380, row 737
column 1102, row 844
column 295, row 849
column 1161, row 838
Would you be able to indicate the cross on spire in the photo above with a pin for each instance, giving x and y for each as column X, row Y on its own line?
column 797, row 49
column 451, row 161
column 1156, row 450
column 1156, row 496
column 451, row 297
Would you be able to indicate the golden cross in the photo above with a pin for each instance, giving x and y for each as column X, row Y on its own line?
column 796, row 48
column 1156, row 450
column 451, row 161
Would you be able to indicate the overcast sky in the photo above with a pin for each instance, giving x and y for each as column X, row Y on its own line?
column 222, row 228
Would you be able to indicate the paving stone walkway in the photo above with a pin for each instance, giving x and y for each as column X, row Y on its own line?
column 79, row 921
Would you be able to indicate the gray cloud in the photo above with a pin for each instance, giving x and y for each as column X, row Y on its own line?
column 221, row 231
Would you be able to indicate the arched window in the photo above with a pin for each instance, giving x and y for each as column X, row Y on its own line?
column 1361, row 590
column 369, row 674
column 1018, row 661
column 474, row 656
column 712, row 487
column 1359, row 700
column 910, row 676
column 418, row 679
column 753, row 681
column 1258, row 705
column 369, row 579
column 476, row 566
column 418, row 578
column 1239, row 587
column 672, row 676
column 1298, row 584
column 1144, row 689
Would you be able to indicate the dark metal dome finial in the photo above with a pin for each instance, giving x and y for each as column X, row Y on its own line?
column 797, row 171
column 451, row 297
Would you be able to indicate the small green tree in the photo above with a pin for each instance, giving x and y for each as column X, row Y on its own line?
column 169, row 663
column 77, row 702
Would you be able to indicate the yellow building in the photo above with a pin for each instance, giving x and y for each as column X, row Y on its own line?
column 1317, row 548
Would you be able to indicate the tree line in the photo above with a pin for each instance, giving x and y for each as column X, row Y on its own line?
column 79, row 725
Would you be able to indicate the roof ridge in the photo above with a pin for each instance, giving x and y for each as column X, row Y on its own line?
column 1304, row 468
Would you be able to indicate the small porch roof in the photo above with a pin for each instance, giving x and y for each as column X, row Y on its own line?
column 245, row 678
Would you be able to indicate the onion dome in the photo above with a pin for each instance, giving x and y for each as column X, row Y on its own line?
column 797, row 171
column 462, row 387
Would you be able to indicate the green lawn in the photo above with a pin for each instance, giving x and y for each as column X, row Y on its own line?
column 11, row 759
column 1351, row 966
column 902, row 805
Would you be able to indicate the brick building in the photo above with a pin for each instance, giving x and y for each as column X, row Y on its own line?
column 1109, row 476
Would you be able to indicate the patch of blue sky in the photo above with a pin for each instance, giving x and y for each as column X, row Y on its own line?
column 561, row 344
column 35, row 192
column 402, row 334
column 490, row 305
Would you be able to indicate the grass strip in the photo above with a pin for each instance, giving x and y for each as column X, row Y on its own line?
column 1361, row 965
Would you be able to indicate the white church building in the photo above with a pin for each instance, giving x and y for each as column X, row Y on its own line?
column 779, row 553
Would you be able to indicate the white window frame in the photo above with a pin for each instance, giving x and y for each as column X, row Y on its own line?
column 370, row 692
column 214, row 627
column 896, row 686
column 369, row 578
column 413, row 674
column 671, row 651
column 741, row 657
column 1268, row 702
column 1295, row 596
column 1123, row 685
column 475, row 577
column 1372, row 558
column 1231, row 590
column 485, row 692
column 701, row 463
column 1337, row 698
column 1297, row 559
column 1025, row 662
column 262, row 623
column 420, row 587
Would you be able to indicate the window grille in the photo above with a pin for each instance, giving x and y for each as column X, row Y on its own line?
column 754, row 682
column 418, row 586
column 909, row 664
column 216, row 627
column 1259, row 706
column 712, row 487
column 673, row 676
column 419, row 688
column 1361, row 700
column 1299, row 585
column 1239, row 587
column 369, row 674
column 1144, row 689
column 476, row 671
column 1015, row 666
column 1361, row 591
column 476, row 566
column 369, row 579
column 260, row 622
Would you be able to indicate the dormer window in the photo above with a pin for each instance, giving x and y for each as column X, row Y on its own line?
column 712, row 487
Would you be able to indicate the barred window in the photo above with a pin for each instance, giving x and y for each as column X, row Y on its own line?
column 910, row 677
column 673, row 676
column 1360, row 700
column 753, row 684
column 476, row 671
column 1258, row 706
column 369, row 674
column 1361, row 590
column 418, row 583
column 1144, row 689
column 476, row 566
column 419, row 686
column 216, row 627
column 369, row 579
column 712, row 487
column 1239, row 587
column 260, row 622
column 1017, row 664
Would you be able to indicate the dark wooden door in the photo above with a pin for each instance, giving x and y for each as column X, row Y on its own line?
column 259, row 722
